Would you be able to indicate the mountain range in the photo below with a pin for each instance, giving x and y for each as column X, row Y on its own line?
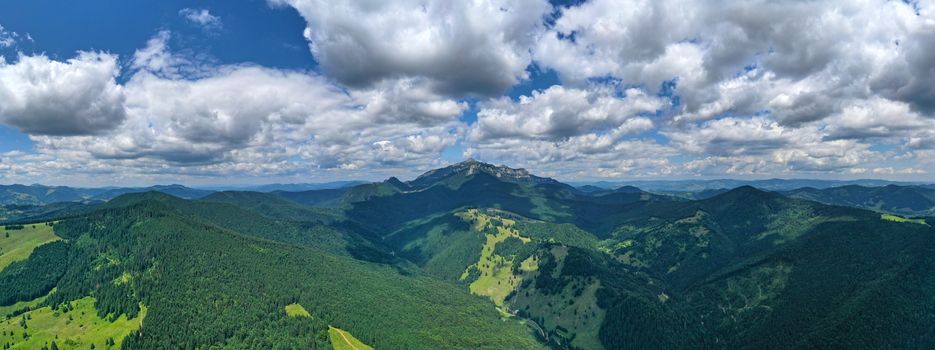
column 765, row 184
column 40, row 195
column 904, row 200
column 480, row 256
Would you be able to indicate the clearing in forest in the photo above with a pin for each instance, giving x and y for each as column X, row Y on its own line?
column 16, row 245
column 343, row 340
column 75, row 329
column 895, row 218
column 495, row 272
column 297, row 310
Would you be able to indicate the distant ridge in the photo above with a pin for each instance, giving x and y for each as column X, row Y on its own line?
column 471, row 167
column 291, row 187
column 904, row 200
column 718, row 184
column 41, row 195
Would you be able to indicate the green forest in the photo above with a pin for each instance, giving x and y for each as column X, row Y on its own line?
column 468, row 260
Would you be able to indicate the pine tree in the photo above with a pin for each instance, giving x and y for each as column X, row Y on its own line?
column 54, row 346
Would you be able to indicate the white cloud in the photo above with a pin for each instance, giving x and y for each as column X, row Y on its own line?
column 251, row 120
column 647, row 88
column 586, row 156
column 763, row 146
column 810, row 58
column 7, row 38
column 559, row 113
column 877, row 117
column 41, row 96
column 201, row 17
column 157, row 59
column 561, row 131
column 460, row 47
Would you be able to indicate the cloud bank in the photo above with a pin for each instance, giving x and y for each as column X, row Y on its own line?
column 646, row 88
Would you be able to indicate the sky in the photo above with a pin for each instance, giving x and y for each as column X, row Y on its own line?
column 100, row 92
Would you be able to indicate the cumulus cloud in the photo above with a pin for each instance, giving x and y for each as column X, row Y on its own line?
column 247, row 119
column 201, row 17
column 763, row 146
column 910, row 78
column 875, row 118
column 561, row 131
column 646, row 88
column 460, row 47
column 586, row 156
column 79, row 96
column 559, row 113
column 809, row 58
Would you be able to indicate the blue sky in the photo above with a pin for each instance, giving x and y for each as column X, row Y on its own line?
column 252, row 30
column 211, row 92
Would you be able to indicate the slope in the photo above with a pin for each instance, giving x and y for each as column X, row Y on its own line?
column 629, row 269
column 227, row 290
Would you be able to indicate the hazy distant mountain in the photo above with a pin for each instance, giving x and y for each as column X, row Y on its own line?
column 40, row 195
column 37, row 212
column 685, row 186
column 175, row 190
column 906, row 200
column 313, row 197
column 293, row 187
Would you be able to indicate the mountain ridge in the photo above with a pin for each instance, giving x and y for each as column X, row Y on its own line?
column 471, row 166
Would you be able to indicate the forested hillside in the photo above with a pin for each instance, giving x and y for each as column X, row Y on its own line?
column 229, row 290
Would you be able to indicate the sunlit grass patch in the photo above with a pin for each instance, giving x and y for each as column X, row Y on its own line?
column 896, row 218
column 343, row 340
column 297, row 310
column 16, row 245
column 76, row 329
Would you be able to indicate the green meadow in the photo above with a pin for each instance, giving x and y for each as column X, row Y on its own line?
column 16, row 245
column 496, row 279
column 78, row 328
column 343, row 340
column 339, row 338
column 895, row 218
column 297, row 310
column 6, row 310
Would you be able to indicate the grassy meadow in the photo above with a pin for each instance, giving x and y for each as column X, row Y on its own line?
column 78, row 328
column 16, row 245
